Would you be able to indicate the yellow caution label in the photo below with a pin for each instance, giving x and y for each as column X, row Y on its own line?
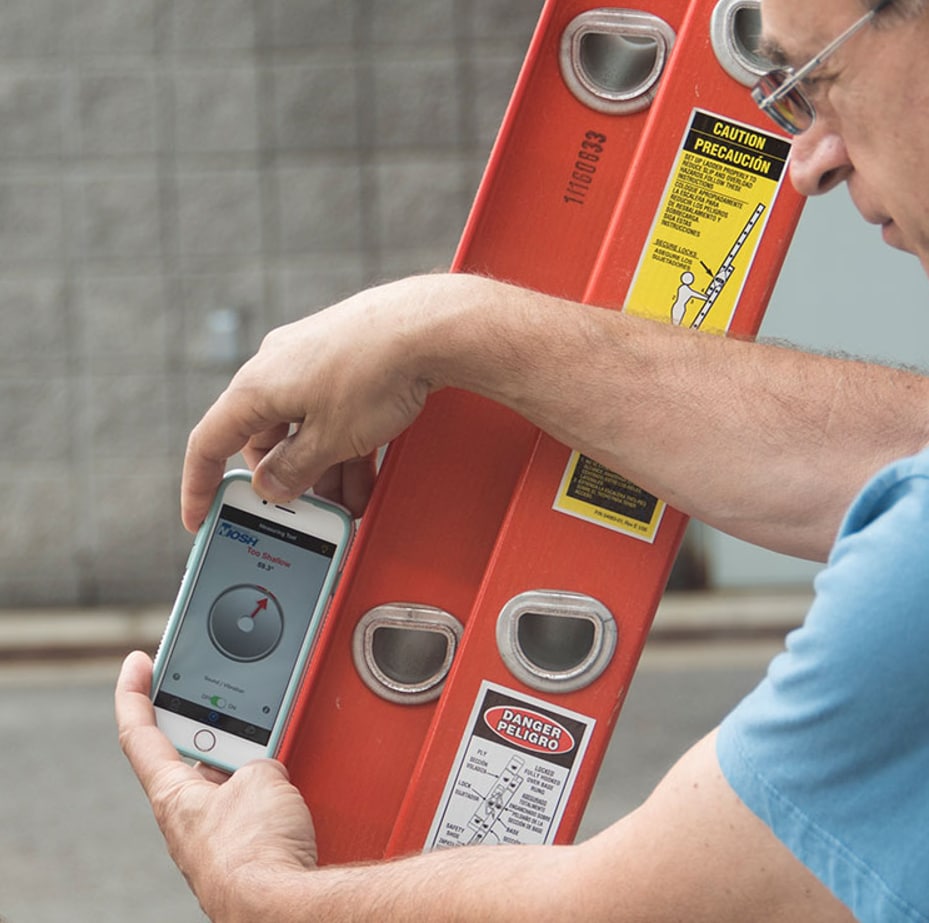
column 691, row 273
column 703, row 242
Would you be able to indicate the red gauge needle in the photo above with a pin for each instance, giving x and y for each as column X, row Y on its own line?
column 262, row 604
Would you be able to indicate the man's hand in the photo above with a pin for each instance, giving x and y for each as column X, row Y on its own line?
column 324, row 393
column 222, row 831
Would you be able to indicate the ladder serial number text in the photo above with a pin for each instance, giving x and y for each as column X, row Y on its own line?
column 585, row 168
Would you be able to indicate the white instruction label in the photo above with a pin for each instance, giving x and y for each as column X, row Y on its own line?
column 513, row 772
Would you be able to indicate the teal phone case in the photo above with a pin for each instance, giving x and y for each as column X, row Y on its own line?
column 191, row 572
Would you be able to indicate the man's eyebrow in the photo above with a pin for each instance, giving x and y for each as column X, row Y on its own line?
column 772, row 52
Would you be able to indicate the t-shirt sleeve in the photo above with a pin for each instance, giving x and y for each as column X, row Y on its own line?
column 832, row 749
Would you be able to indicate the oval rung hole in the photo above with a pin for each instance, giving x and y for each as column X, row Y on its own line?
column 612, row 59
column 555, row 643
column 409, row 656
column 735, row 33
column 556, row 640
column 746, row 34
column 618, row 65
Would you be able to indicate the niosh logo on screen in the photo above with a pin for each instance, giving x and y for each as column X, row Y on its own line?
column 228, row 530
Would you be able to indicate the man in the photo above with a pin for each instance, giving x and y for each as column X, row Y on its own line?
column 809, row 803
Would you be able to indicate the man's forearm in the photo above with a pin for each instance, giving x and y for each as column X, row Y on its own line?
column 512, row 883
column 692, row 851
column 767, row 443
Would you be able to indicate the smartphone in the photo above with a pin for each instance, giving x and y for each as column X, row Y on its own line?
column 250, row 605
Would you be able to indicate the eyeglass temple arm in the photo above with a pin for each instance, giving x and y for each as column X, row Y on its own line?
column 827, row 52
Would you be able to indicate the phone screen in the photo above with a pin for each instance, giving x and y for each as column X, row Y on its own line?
column 245, row 623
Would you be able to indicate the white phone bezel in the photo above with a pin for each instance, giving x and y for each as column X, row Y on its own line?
column 195, row 739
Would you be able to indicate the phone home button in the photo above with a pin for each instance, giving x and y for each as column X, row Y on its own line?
column 204, row 741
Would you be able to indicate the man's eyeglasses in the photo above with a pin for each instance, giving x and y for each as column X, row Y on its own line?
column 779, row 92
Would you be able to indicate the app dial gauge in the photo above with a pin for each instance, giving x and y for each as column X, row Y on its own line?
column 245, row 622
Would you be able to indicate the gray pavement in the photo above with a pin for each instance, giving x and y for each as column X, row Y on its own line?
column 46, row 634
column 77, row 842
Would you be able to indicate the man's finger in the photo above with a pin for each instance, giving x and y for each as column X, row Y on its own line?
column 292, row 466
column 358, row 477
column 212, row 774
column 222, row 432
column 201, row 476
column 261, row 443
column 145, row 746
column 349, row 483
column 329, row 485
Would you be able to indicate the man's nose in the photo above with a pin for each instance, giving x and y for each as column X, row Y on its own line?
column 819, row 161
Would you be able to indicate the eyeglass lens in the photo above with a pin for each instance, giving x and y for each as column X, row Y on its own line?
column 793, row 112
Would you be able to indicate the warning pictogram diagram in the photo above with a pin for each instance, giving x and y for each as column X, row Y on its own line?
column 725, row 271
column 493, row 806
column 687, row 293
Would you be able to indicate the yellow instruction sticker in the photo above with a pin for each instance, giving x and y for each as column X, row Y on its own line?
column 691, row 273
column 590, row 491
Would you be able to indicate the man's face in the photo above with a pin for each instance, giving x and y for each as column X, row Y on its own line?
column 872, row 112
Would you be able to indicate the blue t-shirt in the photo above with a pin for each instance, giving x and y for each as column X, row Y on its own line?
column 831, row 750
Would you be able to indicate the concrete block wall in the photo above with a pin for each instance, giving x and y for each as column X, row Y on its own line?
column 176, row 178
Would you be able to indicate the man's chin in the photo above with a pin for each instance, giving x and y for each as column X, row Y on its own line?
column 893, row 237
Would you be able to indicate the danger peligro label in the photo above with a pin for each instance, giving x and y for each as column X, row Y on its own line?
column 513, row 772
